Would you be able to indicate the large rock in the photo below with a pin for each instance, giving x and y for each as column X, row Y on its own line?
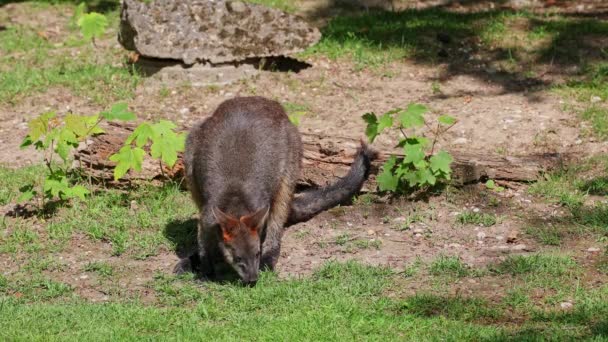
column 215, row 31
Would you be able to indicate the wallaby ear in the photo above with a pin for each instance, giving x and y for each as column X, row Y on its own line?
column 226, row 222
column 256, row 220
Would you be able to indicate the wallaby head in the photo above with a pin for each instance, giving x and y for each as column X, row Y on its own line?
column 240, row 241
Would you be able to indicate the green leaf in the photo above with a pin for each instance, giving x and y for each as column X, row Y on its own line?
column 77, row 191
column 127, row 158
column 27, row 141
column 166, row 143
column 163, row 127
column 141, row 135
column 55, row 185
column 446, row 120
column 66, row 140
column 79, row 11
column 40, row 125
column 490, row 184
column 441, row 162
column 371, row 131
column 413, row 116
column 92, row 25
column 387, row 181
column 385, row 121
column 414, row 140
column 83, row 126
column 425, row 177
column 27, row 193
column 296, row 116
column 413, row 153
column 118, row 111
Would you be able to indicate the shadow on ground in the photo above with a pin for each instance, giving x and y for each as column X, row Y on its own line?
column 183, row 235
column 537, row 50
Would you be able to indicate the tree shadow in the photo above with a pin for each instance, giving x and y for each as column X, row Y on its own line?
column 464, row 42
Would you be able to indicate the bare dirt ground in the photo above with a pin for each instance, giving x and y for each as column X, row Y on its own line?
column 493, row 118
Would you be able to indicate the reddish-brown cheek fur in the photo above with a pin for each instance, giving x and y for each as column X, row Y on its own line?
column 227, row 237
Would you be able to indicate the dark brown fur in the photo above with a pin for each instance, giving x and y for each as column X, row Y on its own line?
column 242, row 164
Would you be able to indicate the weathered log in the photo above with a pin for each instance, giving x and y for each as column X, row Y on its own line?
column 325, row 158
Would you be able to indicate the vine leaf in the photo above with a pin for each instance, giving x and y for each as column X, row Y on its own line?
column 127, row 158
column 92, row 25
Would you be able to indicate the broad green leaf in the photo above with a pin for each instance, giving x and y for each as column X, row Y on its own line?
column 163, row 127
column 490, row 184
column 413, row 153
column 40, row 125
column 141, row 135
column 92, row 25
column 413, row 116
column 127, row 158
column 118, row 111
column 27, row 141
column 425, row 177
column 414, row 140
column 77, row 191
column 371, row 131
column 446, row 120
column 387, row 181
column 66, row 140
column 27, row 193
column 296, row 116
column 441, row 162
column 385, row 121
column 55, row 185
column 166, row 147
column 80, row 10
column 83, row 126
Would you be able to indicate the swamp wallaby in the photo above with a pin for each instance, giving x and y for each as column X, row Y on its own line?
column 242, row 164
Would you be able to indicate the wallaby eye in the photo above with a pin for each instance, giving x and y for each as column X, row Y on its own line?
column 238, row 259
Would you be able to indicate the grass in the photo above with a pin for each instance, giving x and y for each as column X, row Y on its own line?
column 479, row 219
column 339, row 301
column 30, row 63
column 539, row 264
column 550, row 235
column 450, row 266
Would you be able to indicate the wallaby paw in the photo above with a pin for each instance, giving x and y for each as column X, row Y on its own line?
column 183, row 266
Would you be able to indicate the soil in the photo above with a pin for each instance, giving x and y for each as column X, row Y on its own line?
column 493, row 117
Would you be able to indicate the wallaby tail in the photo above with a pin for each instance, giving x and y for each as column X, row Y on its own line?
column 309, row 203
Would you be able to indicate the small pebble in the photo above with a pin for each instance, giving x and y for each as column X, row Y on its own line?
column 593, row 250
column 566, row 305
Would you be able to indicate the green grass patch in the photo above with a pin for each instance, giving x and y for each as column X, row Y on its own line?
column 550, row 235
column 461, row 308
column 449, row 266
column 29, row 63
column 479, row 219
column 550, row 265
column 102, row 268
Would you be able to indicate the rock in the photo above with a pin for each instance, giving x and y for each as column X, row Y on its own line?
column 216, row 31
column 512, row 236
column 418, row 231
column 460, row 141
column 566, row 305
column 595, row 99
column 371, row 232
column 481, row 235
column 593, row 250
